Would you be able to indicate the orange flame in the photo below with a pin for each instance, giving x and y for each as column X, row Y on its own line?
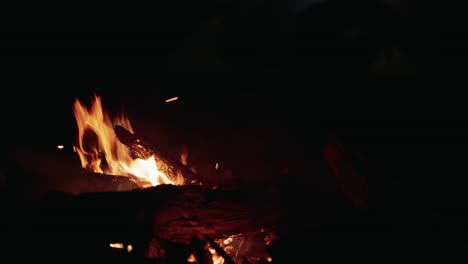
column 101, row 151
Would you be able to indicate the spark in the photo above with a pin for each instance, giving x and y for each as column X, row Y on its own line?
column 116, row 245
column 171, row 99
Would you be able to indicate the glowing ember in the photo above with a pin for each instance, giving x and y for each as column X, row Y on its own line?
column 100, row 150
column 227, row 241
column 217, row 259
column 191, row 258
column 129, row 248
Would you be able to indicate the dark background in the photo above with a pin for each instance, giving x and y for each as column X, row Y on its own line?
column 258, row 93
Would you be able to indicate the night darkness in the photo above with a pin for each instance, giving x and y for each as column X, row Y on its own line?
column 263, row 88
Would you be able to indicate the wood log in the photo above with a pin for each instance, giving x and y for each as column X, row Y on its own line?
column 85, row 181
column 213, row 213
column 143, row 148
column 165, row 212
column 59, row 171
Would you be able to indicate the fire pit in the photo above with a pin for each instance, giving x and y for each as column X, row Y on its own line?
column 154, row 205
column 122, row 197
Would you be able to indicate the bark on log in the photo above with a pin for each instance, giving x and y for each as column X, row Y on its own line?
column 143, row 148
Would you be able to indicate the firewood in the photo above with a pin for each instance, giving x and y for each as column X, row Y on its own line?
column 166, row 212
column 60, row 171
column 143, row 148
column 213, row 213
column 87, row 181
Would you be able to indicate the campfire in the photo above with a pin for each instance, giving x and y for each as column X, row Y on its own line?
column 101, row 151
column 121, row 195
column 170, row 214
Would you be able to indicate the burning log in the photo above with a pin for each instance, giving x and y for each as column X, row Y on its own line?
column 175, row 214
column 144, row 149
column 213, row 213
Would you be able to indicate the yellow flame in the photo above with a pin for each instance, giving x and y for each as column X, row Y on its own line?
column 101, row 151
column 60, row 146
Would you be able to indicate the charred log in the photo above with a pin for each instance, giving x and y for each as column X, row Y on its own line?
column 174, row 214
column 213, row 213
column 144, row 149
